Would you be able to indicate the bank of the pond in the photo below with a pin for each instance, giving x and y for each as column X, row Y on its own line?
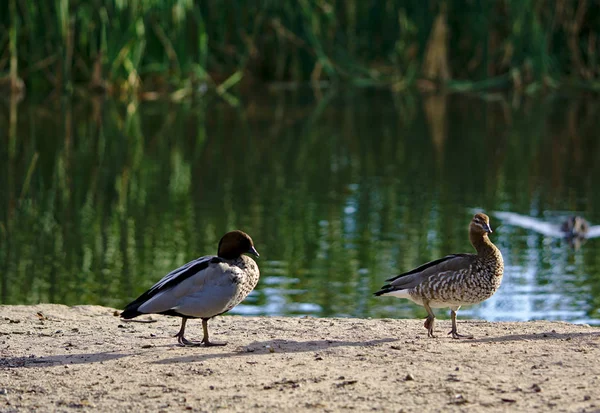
column 58, row 358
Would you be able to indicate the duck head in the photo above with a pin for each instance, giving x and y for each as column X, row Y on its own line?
column 480, row 225
column 235, row 243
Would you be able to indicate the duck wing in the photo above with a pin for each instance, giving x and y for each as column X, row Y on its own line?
column 593, row 231
column 527, row 222
column 168, row 282
column 410, row 279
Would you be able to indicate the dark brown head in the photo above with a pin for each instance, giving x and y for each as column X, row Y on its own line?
column 480, row 225
column 235, row 243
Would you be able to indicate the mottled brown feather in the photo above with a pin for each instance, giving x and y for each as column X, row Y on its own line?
column 455, row 279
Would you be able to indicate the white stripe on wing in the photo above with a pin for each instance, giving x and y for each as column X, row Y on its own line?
column 179, row 272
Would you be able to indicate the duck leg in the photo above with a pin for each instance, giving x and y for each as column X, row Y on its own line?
column 180, row 336
column 205, row 340
column 429, row 321
column 453, row 331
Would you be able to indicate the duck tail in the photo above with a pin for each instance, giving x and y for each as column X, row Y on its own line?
column 131, row 311
column 384, row 290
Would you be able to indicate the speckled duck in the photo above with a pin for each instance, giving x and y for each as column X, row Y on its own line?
column 455, row 280
column 203, row 288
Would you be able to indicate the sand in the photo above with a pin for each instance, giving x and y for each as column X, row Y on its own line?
column 84, row 358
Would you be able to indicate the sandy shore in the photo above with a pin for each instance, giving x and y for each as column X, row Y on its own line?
column 58, row 358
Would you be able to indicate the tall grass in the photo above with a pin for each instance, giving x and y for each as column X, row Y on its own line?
column 188, row 45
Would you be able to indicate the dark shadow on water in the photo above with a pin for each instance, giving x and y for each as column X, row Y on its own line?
column 278, row 346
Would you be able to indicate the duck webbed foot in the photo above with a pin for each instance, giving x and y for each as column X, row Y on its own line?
column 187, row 343
column 429, row 321
column 454, row 333
column 205, row 340
column 428, row 324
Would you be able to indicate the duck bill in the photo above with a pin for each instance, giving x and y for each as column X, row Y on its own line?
column 253, row 251
column 488, row 229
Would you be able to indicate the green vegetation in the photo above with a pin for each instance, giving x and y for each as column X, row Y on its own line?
column 182, row 46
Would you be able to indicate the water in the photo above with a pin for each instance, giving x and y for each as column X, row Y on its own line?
column 101, row 198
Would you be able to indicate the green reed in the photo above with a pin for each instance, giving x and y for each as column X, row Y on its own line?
column 184, row 46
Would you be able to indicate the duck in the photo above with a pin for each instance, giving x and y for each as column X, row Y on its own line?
column 575, row 226
column 575, row 229
column 203, row 288
column 454, row 280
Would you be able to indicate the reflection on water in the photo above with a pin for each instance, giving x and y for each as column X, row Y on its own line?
column 101, row 199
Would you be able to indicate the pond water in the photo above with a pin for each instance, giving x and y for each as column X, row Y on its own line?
column 101, row 198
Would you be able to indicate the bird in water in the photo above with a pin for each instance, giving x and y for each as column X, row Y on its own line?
column 455, row 280
column 575, row 226
column 203, row 288
column 575, row 229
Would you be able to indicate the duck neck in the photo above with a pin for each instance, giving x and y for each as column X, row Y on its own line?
column 482, row 244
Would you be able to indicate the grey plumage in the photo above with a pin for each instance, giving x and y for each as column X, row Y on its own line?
column 455, row 280
column 203, row 288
